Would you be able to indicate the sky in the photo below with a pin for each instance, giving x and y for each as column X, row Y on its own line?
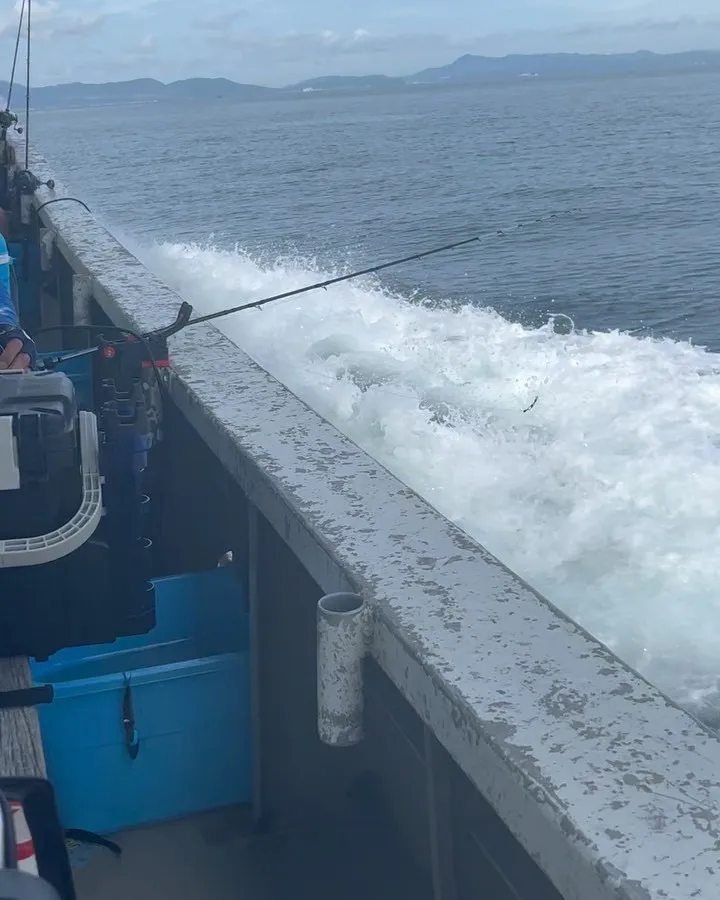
column 279, row 42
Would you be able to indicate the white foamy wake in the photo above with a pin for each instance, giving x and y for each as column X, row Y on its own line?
column 605, row 496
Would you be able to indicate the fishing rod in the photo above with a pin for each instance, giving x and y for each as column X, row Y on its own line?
column 8, row 119
column 371, row 270
column 184, row 317
column 27, row 89
column 15, row 57
column 24, row 181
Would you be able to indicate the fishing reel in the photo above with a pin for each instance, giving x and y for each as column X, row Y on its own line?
column 27, row 183
column 9, row 120
column 147, row 351
column 132, row 352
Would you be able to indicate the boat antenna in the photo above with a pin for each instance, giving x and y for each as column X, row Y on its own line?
column 455, row 245
column 27, row 90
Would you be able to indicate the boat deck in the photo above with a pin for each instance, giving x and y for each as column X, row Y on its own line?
column 347, row 853
column 21, row 750
column 216, row 855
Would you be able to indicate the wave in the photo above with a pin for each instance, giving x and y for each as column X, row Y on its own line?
column 605, row 495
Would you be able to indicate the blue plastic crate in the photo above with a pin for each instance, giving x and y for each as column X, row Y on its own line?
column 190, row 686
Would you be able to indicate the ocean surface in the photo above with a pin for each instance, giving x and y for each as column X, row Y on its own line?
column 606, row 494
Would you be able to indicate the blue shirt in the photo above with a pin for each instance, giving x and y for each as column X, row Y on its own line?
column 8, row 315
column 9, row 322
column 5, row 263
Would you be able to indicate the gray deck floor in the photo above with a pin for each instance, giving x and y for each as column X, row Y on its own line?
column 214, row 856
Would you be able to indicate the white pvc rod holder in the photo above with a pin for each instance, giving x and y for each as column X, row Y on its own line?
column 342, row 626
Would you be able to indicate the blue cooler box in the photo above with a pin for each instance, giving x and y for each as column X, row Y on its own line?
column 189, row 683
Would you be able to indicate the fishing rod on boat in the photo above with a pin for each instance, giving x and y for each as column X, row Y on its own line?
column 184, row 318
column 8, row 119
column 371, row 270
column 25, row 181
column 149, row 350
column 27, row 88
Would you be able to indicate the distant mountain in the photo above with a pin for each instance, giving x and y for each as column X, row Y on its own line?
column 77, row 94
column 465, row 70
column 199, row 89
column 349, row 83
column 191, row 90
column 468, row 69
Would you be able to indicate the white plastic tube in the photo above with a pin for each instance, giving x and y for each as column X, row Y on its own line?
column 342, row 624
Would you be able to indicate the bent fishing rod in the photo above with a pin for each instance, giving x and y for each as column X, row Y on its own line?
column 371, row 270
column 184, row 318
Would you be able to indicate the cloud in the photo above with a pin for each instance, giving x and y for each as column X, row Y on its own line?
column 646, row 25
column 49, row 21
column 142, row 56
column 283, row 59
column 219, row 21
column 73, row 26
column 326, row 43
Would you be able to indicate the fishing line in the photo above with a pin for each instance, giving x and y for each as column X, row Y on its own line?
column 60, row 200
column 371, row 270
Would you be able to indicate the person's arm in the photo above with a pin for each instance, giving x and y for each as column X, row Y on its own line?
column 18, row 349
